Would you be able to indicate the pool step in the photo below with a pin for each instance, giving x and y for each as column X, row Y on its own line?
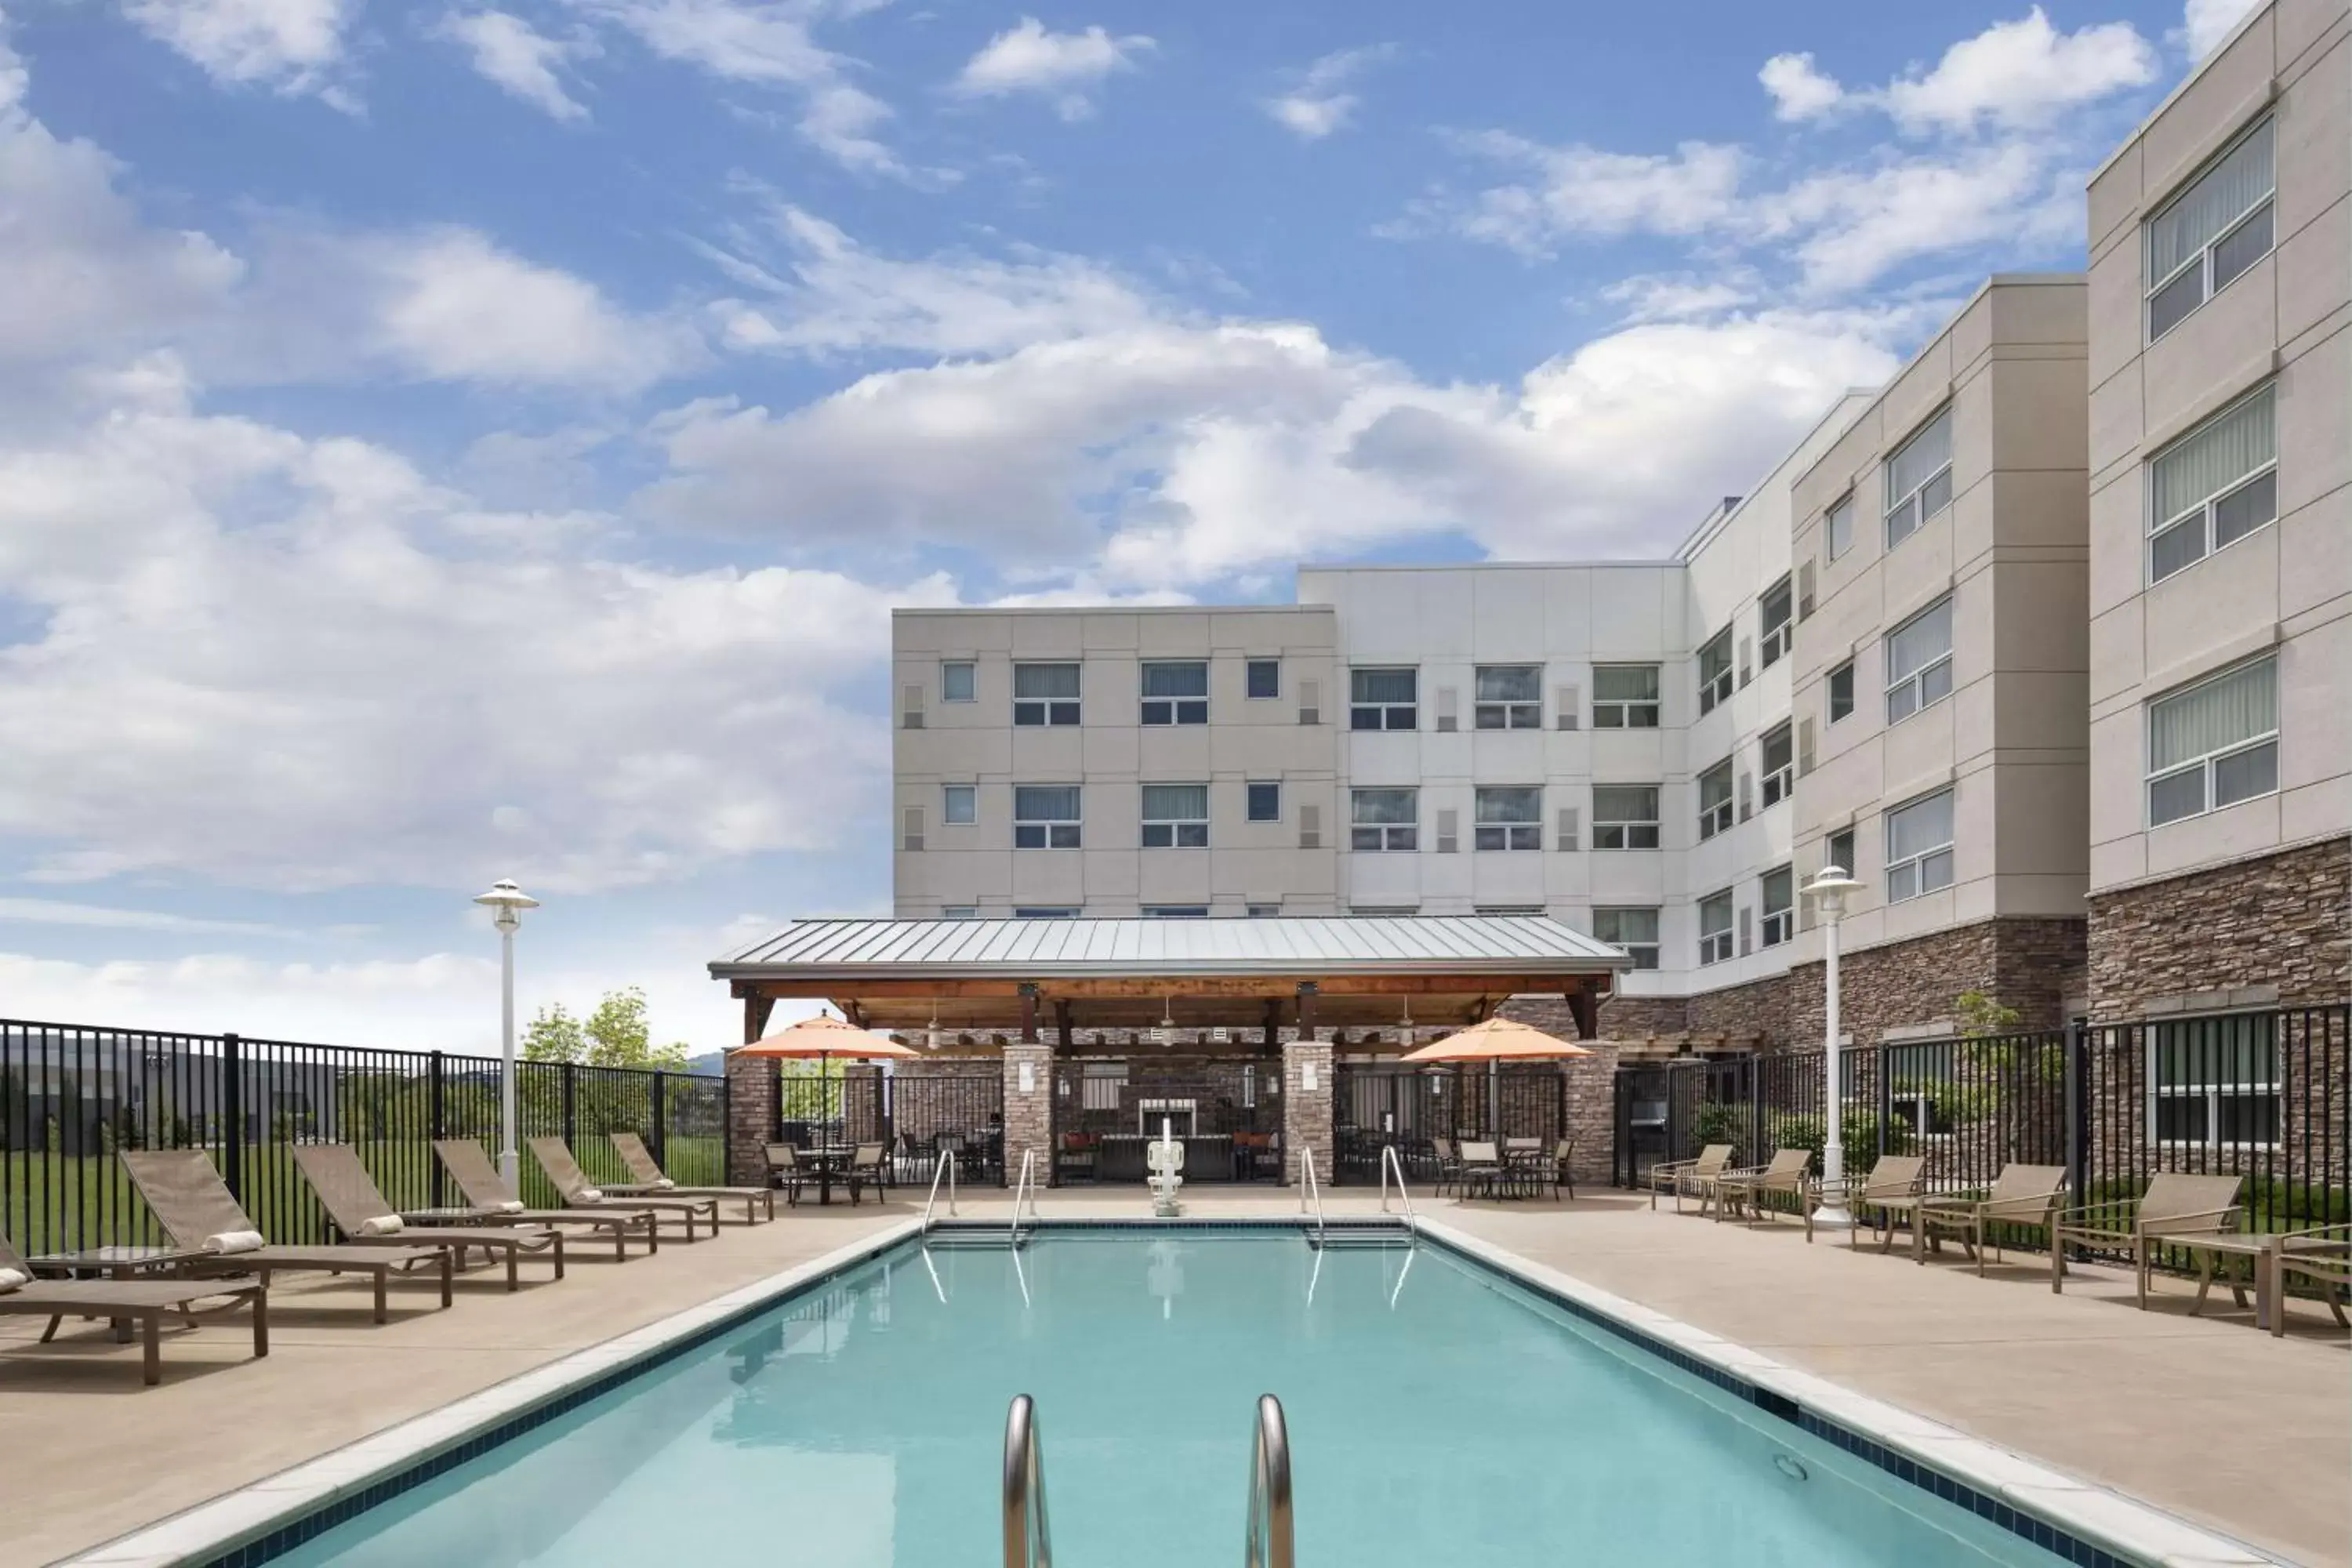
column 970, row 1238
column 1336, row 1235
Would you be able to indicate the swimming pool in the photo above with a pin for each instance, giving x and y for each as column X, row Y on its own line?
column 1439, row 1413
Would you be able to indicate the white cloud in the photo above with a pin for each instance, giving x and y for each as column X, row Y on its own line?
column 1063, row 66
column 57, row 912
column 1846, row 228
column 1800, row 90
column 1316, row 105
column 288, row 45
column 1653, row 298
column 2206, row 25
column 508, row 50
column 2020, row 75
column 1578, row 191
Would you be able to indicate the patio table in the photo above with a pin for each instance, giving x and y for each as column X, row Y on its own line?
column 830, row 1165
column 2260, row 1254
column 111, row 1262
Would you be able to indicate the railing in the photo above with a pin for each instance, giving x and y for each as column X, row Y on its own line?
column 947, row 1169
column 1027, row 1188
column 1309, row 1191
column 1270, row 1528
column 1390, row 1164
column 1028, row 1542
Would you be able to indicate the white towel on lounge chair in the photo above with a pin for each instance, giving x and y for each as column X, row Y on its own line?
column 12, row 1280
column 236, row 1241
column 662, row 1185
column 382, row 1224
column 590, row 1194
column 512, row 1205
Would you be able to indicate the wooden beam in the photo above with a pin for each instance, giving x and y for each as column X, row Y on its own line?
column 756, row 1009
column 1028, row 1015
column 1307, row 993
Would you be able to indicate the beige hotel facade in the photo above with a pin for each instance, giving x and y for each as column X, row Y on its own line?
column 2049, row 640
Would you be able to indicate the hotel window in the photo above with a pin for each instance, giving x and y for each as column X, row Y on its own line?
column 1780, row 907
column 1919, row 479
column 1384, row 819
column 1919, row 848
column 1511, row 697
column 1635, row 930
column 958, row 682
column 1510, row 818
column 1264, row 912
column 2214, row 744
column 1176, row 692
column 1045, row 817
column 1714, row 671
column 1714, row 800
column 1176, row 816
column 1044, row 694
column 1047, row 913
column 1841, row 692
column 2213, row 1083
column 1840, row 851
column 2214, row 486
column 1624, row 816
column 959, row 911
column 2207, row 235
column 1384, row 698
column 1919, row 661
column 1175, row 911
column 1779, row 765
column 1840, row 526
column 959, row 806
column 1264, row 802
column 1624, row 696
column 1101, row 1085
column 1715, row 928
column 1779, row 625
column 1264, row 678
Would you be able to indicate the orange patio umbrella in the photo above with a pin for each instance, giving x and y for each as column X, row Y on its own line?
column 1495, row 1042
column 822, row 1039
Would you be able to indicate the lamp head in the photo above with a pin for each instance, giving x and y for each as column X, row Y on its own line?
column 507, row 901
column 1830, row 891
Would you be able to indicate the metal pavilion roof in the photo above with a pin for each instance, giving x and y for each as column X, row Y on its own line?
column 1040, row 949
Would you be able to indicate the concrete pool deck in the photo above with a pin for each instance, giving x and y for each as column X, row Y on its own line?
column 2208, row 1419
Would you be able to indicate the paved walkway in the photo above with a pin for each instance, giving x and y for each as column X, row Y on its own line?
column 2206, row 1417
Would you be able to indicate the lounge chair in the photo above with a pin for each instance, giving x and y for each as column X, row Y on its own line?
column 2022, row 1196
column 2174, row 1207
column 649, row 1181
column 201, row 1216
column 1789, row 1172
column 360, row 1211
column 1881, row 1200
column 580, row 1192
column 784, row 1170
column 494, row 1202
column 2321, row 1256
column 1681, row 1177
column 868, row 1169
column 145, row 1301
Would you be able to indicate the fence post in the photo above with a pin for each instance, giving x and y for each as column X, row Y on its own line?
column 1886, row 1098
column 571, row 1119
column 727, row 1122
column 436, row 1122
column 233, row 1115
column 658, row 1123
column 2078, row 1113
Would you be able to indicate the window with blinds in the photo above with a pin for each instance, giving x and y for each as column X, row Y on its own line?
column 1840, row 526
column 1919, row 661
column 1176, row 692
column 2214, row 1083
column 1715, row 928
column 1624, row 696
column 2214, row 486
column 1714, row 800
column 1775, row 613
column 1046, row 694
column 1633, row 930
column 1509, row 697
column 1508, row 817
column 1624, row 816
column 1714, row 671
column 1780, row 764
column 1384, row 819
column 2218, row 225
column 1045, row 817
column 1919, row 848
column 2213, row 745
column 1919, row 479
column 1175, row 816
column 1780, row 923
column 1384, row 698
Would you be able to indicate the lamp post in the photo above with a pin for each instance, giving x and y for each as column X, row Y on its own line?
column 507, row 901
column 1829, row 892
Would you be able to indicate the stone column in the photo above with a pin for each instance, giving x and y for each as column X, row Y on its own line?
column 1029, row 1112
column 1307, row 1112
column 751, row 1118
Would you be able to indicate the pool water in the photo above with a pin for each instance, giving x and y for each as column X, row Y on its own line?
column 1438, row 1414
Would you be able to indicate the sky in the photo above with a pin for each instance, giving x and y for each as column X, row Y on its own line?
column 440, row 443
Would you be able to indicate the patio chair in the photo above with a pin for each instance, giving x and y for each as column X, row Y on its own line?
column 784, row 1170
column 1074, row 1158
column 1449, row 1165
column 578, row 1192
column 1789, row 1172
column 143, row 1301
column 2321, row 1256
column 2175, row 1208
column 469, row 1166
column 2023, row 1195
column 1681, row 1177
column 1482, row 1170
column 360, row 1211
column 1886, row 1196
column 868, row 1169
column 647, row 1179
column 202, row 1216
column 1563, row 1169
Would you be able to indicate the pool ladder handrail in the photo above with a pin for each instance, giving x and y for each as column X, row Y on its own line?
column 1391, row 1161
column 1270, row 1525
column 946, row 1168
column 1310, row 1189
column 1028, row 1542
column 1028, row 1187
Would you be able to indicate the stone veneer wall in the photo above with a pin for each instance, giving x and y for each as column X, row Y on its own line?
column 1029, row 1114
column 2274, row 930
column 2031, row 964
column 751, row 1118
column 1307, row 1114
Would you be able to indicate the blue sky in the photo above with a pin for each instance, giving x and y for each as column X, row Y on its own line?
column 442, row 442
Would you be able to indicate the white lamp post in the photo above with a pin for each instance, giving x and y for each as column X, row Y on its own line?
column 1829, row 892
column 508, row 901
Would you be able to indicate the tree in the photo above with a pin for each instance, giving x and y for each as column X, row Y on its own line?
column 617, row 1035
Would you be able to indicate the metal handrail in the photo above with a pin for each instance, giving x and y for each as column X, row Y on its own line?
column 1390, row 1161
column 947, row 1168
column 1308, row 1188
column 1270, row 1529
column 1027, row 1185
column 1028, row 1544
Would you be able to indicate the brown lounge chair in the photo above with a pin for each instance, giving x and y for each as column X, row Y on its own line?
column 2173, row 1206
column 580, row 1192
column 191, row 1201
column 2021, row 1195
column 351, row 1200
column 2321, row 1256
column 146, row 1301
column 1790, row 1171
column 494, row 1202
column 1681, row 1177
column 649, row 1181
column 1883, row 1198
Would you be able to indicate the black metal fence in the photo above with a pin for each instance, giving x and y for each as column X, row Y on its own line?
column 72, row 1097
column 917, row 1113
column 1376, row 1104
column 2261, row 1095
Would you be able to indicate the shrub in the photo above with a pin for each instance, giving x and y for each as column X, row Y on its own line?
column 1858, row 1132
column 1716, row 1122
